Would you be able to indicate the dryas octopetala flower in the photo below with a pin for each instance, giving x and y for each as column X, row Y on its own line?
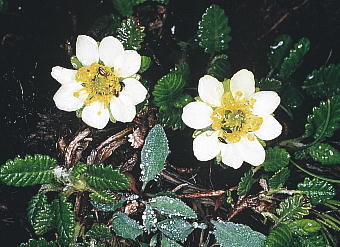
column 232, row 119
column 106, row 84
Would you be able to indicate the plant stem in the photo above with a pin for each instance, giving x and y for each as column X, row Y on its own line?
column 314, row 175
column 287, row 111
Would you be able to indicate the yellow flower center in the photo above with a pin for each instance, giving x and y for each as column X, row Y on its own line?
column 234, row 118
column 99, row 82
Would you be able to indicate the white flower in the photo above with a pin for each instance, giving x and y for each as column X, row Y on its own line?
column 232, row 119
column 101, row 89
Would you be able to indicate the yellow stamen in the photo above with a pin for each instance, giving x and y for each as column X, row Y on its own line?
column 234, row 118
column 99, row 82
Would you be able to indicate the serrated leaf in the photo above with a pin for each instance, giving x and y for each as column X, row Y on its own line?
column 154, row 154
column 130, row 34
column 172, row 207
column 324, row 82
column 79, row 169
column 104, row 26
column 230, row 234
column 103, row 197
column 175, row 228
column 105, row 177
column 40, row 214
column 145, row 64
column 167, row 242
column 279, row 236
column 108, row 207
column 64, row 219
column 125, row 7
column 294, row 58
column 270, row 84
column 32, row 170
column 292, row 97
column 276, row 158
column 313, row 240
column 41, row 242
column 278, row 50
column 125, row 227
column 182, row 101
column 317, row 190
column 293, row 208
column 245, row 183
column 149, row 218
column 324, row 153
column 172, row 118
column 99, row 231
column 304, row 227
column 213, row 30
column 324, row 120
column 279, row 178
column 182, row 68
column 219, row 67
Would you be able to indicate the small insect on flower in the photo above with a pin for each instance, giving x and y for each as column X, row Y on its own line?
column 104, row 86
column 235, row 120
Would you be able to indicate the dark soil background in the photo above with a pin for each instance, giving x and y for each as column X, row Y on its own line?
column 36, row 35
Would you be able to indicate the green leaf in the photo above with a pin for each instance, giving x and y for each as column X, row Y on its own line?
column 276, row 158
column 280, row 236
column 125, row 7
column 130, row 34
column 99, row 231
column 167, row 242
column 213, row 30
column 279, row 178
column 313, row 240
column 245, row 183
column 324, row 82
column 304, row 227
column 324, row 120
column 40, row 214
column 149, row 218
column 294, row 59
column 175, row 228
column 154, row 153
column 64, row 219
column 41, row 242
column 172, row 118
column 104, row 26
column 270, row 84
column 172, row 207
column 293, row 208
column 79, row 169
column 317, row 190
column 125, row 227
column 219, row 67
column 278, row 50
column 182, row 68
column 109, row 207
column 105, row 177
column 182, row 101
column 76, row 64
column 230, row 234
column 32, row 170
column 292, row 97
column 324, row 153
column 145, row 64
column 103, row 197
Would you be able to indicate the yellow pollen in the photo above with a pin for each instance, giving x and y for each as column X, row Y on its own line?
column 234, row 118
column 99, row 82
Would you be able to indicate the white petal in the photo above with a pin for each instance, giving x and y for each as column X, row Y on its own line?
column 252, row 151
column 87, row 50
column 65, row 100
column 63, row 75
column 266, row 102
column 231, row 156
column 243, row 81
column 122, row 112
column 197, row 115
column 206, row 146
column 133, row 92
column 127, row 63
column 109, row 49
column 270, row 128
column 95, row 115
column 210, row 90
